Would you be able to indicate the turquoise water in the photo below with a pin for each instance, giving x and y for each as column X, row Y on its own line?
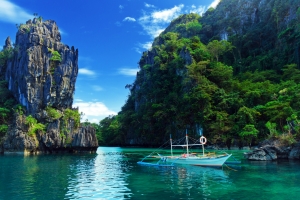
column 112, row 173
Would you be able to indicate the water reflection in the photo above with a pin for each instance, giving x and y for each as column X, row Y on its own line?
column 30, row 177
column 177, row 182
column 104, row 177
column 114, row 174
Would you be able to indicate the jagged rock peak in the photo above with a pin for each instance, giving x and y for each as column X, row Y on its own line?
column 35, row 78
column 7, row 44
column 41, row 74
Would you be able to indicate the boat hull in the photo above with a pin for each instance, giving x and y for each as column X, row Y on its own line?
column 206, row 161
column 155, row 164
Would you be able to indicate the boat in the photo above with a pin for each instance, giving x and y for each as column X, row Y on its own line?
column 187, row 158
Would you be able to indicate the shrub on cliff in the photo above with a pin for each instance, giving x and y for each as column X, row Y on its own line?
column 52, row 113
column 3, row 130
column 71, row 114
column 34, row 126
column 5, row 55
column 55, row 56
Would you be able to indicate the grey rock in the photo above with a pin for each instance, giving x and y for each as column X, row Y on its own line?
column 17, row 139
column 29, row 73
column 84, row 138
column 295, row 152
column 7, row 44
column 258, row 154
column 273, row 150
column 52, row 139
column 37, row 82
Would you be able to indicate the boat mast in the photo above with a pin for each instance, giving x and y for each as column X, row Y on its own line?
column 171, row 145
column 203, row 149
column 187, row 143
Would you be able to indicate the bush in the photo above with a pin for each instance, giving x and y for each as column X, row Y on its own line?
column 3, row 129
column 287, row 139
column 5, row 55
column 34, row 126
column 19, row 109
column 72, row 114
column 55, row 56
column 52, row 113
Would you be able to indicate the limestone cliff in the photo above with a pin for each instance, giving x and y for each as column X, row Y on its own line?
column 41, row 74
column 34, row 81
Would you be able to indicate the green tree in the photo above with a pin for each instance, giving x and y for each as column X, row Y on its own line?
column 5, row 55
column 217, row 48
column 4, row 112
column 3, row 130
column 248, row 133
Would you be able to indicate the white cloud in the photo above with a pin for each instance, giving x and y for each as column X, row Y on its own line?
column 129, row 19
column 142, row 47
column 86, row 71
column 214, row 4
column 128, row 71
column 12, row 13
column 198, row 10
column 146, row 45
column 93, row 111
column 155, row 22
column 121, row 7
column 166, row 15
column 97, row 88
column 138, row 50
column 149, row 5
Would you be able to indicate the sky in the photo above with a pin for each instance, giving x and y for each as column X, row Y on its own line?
column 110, row 35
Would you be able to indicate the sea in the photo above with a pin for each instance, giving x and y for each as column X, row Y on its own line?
column 113, row 173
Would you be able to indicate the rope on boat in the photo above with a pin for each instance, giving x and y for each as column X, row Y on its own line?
column 155, row 151
column 231, row 168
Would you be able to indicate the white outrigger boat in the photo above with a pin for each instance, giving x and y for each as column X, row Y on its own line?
column 208, row 159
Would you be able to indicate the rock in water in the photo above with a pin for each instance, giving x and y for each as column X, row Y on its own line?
column 42, row 73
column 273, row 150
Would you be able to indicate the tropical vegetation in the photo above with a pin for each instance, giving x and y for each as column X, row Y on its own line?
column 235, row 80
column 231, row 74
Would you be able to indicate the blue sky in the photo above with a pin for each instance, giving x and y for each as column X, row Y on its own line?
column 110, row 36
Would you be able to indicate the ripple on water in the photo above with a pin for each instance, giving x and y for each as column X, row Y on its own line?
column 114, row 174
column 104, row 178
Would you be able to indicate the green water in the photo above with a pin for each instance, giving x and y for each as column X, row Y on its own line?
column 112, row 173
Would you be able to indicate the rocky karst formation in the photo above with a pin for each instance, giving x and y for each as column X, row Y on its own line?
column 41, row 74
column 33, row 78
column 270, row 150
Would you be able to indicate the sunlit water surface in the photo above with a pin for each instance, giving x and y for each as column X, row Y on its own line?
column 113, row 173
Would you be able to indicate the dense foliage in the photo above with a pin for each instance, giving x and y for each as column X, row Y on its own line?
column 231, row 75
column 7, row 101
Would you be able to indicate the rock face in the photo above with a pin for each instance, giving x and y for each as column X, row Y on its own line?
column 34, row 79
column 273, row 150
column 38, row 81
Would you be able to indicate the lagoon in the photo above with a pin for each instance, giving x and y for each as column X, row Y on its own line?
column 113, row 173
